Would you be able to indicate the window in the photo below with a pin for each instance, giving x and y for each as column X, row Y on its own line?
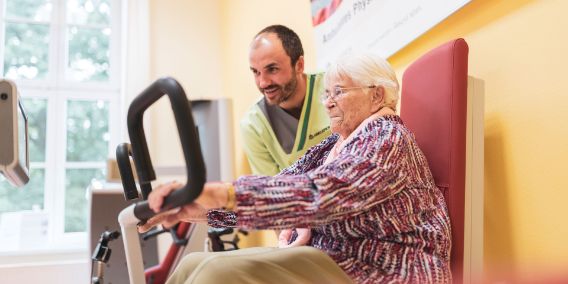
column 64, row 57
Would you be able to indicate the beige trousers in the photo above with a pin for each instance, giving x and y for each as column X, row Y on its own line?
column 259, row 265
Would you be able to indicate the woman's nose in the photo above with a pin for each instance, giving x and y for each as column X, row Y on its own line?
column 329, row 103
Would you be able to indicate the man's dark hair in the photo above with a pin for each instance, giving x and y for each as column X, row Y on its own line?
column 290, row 41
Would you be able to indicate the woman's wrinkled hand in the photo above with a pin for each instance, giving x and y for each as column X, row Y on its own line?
column 286, row 238
column 192, row 212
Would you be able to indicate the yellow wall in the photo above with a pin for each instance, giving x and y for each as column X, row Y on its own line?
column 185, row 43
column 517, row 47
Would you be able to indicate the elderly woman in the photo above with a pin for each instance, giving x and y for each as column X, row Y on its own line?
column 365, row 192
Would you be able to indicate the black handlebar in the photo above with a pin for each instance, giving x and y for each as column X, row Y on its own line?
column 139, row 148
column 123, row 154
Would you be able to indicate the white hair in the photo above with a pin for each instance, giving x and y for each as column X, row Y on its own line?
column 366, row 69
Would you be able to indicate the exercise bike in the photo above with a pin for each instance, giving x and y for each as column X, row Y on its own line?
column 140, row 212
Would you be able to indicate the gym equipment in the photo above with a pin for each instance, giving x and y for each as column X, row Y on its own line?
column 14, row 160
column 138, row 150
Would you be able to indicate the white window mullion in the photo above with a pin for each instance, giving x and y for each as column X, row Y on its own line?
column 88, row 95
column 60, row 44
column 51, row 171
column 54, row 50
column 24, row 21
column 54, row 181
column 115, row 43
column 59, row 225
column 30, row 93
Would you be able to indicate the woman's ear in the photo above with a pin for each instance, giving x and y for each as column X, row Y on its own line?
column 377, row 98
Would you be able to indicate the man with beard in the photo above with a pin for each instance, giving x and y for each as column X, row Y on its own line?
column 289, row 118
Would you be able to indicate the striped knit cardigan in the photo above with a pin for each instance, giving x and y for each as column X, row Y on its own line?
column 374, row 208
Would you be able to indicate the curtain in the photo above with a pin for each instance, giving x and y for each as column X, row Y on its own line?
column 135, row 58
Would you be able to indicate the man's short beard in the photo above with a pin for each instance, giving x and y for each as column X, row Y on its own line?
column 288, row 89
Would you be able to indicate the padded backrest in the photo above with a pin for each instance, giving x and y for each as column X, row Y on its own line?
column 434, row 107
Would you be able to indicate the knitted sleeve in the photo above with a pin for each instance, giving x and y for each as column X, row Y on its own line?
column 366, row 172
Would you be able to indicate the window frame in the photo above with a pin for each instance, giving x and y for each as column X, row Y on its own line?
column 57, row 90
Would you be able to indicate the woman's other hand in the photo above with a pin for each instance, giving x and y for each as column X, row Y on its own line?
column 287, row 240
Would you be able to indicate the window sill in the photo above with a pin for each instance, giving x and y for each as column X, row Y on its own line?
column 44, row 256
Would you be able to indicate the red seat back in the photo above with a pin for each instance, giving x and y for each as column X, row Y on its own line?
column 434, row 107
